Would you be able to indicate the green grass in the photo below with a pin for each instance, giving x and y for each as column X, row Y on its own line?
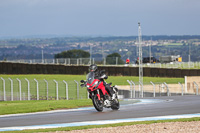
column 104, row 126
column 122, row 80
column 116, row 80
column 44, row 105
column 46, row 76
column 42, row 86
column 72, row 86
column 14, row 107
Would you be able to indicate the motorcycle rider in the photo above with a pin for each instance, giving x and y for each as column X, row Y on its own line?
column 101, row 76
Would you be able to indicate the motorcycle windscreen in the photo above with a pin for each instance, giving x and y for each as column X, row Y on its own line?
column 90, row 77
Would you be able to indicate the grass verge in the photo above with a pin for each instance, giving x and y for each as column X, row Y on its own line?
column 72, row 86
column 14, row 107
column 116, row 80
column 104, row 126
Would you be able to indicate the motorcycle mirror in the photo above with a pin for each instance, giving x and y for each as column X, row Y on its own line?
column 82, row 81
column 102, row 71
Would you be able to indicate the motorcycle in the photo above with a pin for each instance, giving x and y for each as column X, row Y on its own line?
column 98, row 93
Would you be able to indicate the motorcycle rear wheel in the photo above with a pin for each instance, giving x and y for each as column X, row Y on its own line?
column 98, row 104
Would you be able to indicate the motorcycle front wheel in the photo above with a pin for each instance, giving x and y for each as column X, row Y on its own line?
column 98, row 104
column 115, row 104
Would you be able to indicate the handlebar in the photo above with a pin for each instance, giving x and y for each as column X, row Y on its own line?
column 83, row 83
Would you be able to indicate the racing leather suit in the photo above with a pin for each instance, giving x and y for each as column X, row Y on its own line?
column 101, row 76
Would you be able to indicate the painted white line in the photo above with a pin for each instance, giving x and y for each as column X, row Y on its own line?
column 102, row 122
column 45, row 112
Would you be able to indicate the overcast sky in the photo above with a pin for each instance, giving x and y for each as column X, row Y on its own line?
column 99, row 17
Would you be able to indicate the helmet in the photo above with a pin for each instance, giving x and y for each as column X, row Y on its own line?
column 93, row 67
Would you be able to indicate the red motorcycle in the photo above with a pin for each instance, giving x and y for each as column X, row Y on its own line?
column 99, row 95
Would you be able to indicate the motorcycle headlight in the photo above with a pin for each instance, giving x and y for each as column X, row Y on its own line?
column 88, row 86
column 96, row 82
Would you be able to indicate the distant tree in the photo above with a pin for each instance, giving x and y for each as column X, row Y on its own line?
column 75, row 53
column 111, row 58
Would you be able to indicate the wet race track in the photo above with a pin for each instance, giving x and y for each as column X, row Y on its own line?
column 130, row 109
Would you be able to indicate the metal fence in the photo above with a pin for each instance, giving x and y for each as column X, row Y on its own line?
column 12, row 89
column 72, row 61
column 182, row 65
column 158, row 89
column 107, row 61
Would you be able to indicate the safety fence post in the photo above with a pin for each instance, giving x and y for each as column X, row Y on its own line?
column 68, row 61
column 56, row 89
column 88, row 94
column 77, row 61
column 4, row 89
column 181, row 88
column 197, row 88
column 104, row 61
column 77, row 88
column 20, row 89
column 28, row 88
column 141, row 91
column 37, row 89
column 154, row 89
column 130, row 88
column 11, row 88
column 133, row 88
column 66, row 86
column 167, row 89
column 47, row 88
column 81, row 63
column 65, row 61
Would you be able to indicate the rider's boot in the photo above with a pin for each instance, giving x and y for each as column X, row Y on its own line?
column 113, row 96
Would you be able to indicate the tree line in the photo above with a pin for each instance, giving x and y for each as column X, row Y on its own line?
column 78, row 53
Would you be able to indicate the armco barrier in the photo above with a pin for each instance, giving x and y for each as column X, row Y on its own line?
column 23, row 68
